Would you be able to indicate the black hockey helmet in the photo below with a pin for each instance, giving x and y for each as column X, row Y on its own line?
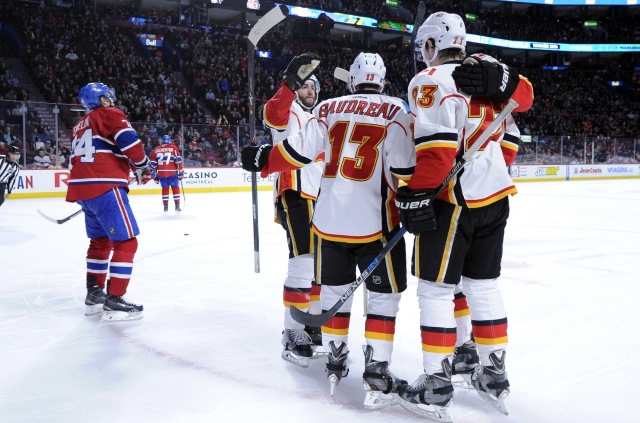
column 13, row 149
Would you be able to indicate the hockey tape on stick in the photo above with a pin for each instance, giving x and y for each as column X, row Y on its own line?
column 321, row 319
column 60, row 221
column 419, row 18
column 272, row 18
column 342, row 75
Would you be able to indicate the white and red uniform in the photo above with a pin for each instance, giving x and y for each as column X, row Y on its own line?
column 294, row 195
column 286, row 117
column 471, row 212
column 438, row 138
column 366, row 142
column 103, row 146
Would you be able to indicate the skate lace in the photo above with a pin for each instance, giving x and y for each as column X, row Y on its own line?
column 124, row 301
column 300, row 337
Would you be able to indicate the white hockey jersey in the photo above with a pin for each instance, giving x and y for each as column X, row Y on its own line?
column 286, row 117
column 447, row 123
column 367, row 143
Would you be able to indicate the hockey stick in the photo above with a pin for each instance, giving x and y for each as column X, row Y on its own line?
column 322, row 318
column 66, row 219
column 268, row 21
column 342, row 75
column 60, row 221
column 419, row 18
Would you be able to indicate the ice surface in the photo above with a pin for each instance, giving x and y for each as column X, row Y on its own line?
column 208, row 348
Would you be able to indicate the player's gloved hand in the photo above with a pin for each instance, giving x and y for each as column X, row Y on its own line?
column 494, row 80
column 300, row 68
column 416, row 209
column 180, row 174
column 254, row 157
column 144, row 172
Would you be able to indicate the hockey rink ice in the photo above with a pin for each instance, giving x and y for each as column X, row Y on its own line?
column 208, row 348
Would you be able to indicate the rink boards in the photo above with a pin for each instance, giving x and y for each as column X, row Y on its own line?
column 34, row 183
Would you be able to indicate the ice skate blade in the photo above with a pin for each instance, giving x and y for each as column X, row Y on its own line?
column 497, row 403
column 333, row 383
column 319, row 351
column 295, row 359
column 374, row 400
column 434, row 412
column 90, row 310
column 120, row 316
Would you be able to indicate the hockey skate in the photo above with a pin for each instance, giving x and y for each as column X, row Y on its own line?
column 336, row 364
column 491, row 382
column 95, row 300
column 178, row 209
column 430, row 395
column 119, row 309
column 297, row 347
column 465, row 360
column 380, row 385
column 166, row 207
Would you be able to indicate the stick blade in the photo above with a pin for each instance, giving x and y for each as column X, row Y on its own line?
column 315, row 320
column 50, row 219
column 272, row 18
column 342, row 75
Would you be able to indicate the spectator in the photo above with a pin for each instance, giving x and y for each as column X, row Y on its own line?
column 8, row 137
column 48, row 149
column 41, row 161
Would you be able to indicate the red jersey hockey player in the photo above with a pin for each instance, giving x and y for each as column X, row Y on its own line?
column 104, row 149
column 167, row 161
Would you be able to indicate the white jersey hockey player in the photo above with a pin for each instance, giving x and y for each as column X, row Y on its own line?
column 295, row 192
column 368, row 146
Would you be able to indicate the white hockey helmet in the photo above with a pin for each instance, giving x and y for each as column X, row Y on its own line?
column 367, row 68
column 447, row 31
column 316, row 83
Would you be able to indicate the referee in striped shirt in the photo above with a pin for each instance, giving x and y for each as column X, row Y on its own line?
column 9, row 169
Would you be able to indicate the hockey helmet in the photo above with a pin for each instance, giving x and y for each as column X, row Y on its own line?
column 90, row 94
column 316, row 83
column 447, row 30
column 13, row 149
column 367, row 68
column 166, row 139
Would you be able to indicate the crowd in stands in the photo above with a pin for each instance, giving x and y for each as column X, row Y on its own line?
column 206, row 113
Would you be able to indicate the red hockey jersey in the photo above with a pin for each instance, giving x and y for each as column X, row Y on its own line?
column 104, row 145
column 167, row 159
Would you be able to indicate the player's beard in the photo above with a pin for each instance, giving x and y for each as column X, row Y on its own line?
column 308, row 102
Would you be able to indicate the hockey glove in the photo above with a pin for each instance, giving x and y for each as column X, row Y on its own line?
column 416, row 209
column 254, row 157
column 180, row 174
column 144, row 172
column 300, row 68
column 494, row 80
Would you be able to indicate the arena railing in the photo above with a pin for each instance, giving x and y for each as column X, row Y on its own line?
column 215, row 144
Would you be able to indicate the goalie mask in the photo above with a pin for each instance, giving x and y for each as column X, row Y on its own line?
column 305, row 103
column 90, row 94
column 447, row 30
column 367, row 68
